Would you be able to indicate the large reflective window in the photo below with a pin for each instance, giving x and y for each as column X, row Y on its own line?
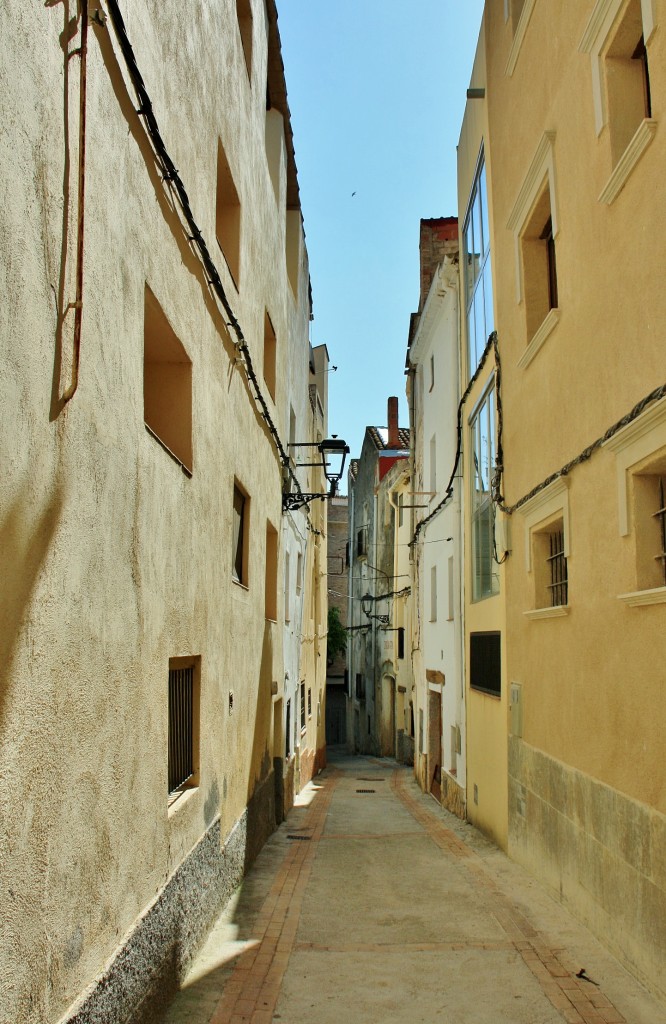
column 478, row 282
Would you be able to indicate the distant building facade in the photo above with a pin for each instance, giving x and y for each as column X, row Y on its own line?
column 372, row 586
column 435, row 540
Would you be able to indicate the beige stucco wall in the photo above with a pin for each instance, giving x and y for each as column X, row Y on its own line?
column 116, row 561
column 592, row 680
column 486, row 715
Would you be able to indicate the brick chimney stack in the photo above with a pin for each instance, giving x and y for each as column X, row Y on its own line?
column 393, row 435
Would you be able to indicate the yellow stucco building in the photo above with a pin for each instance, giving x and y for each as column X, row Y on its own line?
column 569, row 99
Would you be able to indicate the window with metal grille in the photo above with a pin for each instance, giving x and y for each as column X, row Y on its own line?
column 557, row 562
column 309, row 703
column 302, row 707
column 660, row 516
column 485, row 672
column 183, row 724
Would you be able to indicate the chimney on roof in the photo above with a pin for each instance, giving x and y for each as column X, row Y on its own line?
column 393, row 435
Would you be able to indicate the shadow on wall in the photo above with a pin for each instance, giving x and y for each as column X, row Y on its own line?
column 261, row 819
column 25, row 539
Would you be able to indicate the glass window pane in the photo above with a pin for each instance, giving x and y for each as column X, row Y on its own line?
column 484, row 210
column 471, row 335
column 470, row 263
column 476, row 216
column 488, row 297
column 479, row 321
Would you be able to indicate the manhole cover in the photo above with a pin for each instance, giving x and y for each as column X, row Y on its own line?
column 366, row 791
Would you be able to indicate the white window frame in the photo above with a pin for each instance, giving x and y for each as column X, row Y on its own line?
column 632, row 445
column 594, row 42
column 541, row 173
column 552, row 501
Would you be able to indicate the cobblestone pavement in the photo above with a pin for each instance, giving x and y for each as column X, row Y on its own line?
column 372, row 905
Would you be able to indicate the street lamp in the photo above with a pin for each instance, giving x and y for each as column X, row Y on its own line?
column 367, row 602
column 333, row 452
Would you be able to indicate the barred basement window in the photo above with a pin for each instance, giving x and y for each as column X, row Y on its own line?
column 558, row 585
column 183, row 741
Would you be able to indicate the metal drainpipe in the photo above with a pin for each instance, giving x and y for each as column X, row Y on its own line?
column 375, row 680
column 350, row 622
column 78, row 303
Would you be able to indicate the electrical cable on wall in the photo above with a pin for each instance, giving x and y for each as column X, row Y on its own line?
column 498, row 499
column 172, row 179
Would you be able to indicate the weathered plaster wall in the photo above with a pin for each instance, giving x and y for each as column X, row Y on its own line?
column 115, row 560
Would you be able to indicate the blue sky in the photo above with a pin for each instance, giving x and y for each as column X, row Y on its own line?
column 376, row 91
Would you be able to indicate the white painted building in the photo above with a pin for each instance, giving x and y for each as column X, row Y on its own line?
column 432, row 360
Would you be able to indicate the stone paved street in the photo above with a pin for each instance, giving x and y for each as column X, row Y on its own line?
column 371, row 905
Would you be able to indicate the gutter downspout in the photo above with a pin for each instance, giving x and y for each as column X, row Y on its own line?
column 77, row 305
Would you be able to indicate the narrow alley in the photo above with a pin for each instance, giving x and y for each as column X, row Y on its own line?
column 372, row 903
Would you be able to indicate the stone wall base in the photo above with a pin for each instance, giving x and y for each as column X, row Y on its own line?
column 145, row 971
column 453, row 797
column 404, row 748
column 602, row 852
column 307, row 761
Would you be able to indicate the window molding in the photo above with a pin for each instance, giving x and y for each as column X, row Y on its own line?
column 547, row 503
column 519, row 36
column 551, row 612
column 541, row 169
column 594, row 39
column 633, row 443
column 644, row 598
column 548, row 325
column 625, row 165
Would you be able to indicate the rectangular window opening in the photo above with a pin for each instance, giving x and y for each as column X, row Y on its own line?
column 244, row 15
column 183, row 728
column 627, row 80
column 485, row 673
column 240, row 543
column 538, row 263
column 228, row 216
column 167, row 384
column 271, row 571
column 270, row 354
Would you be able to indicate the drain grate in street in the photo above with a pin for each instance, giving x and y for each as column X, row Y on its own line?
column 366, row 790
column 304, row 839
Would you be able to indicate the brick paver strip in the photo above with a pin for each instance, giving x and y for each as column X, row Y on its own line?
column 251, row 994
column 578, row 1001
